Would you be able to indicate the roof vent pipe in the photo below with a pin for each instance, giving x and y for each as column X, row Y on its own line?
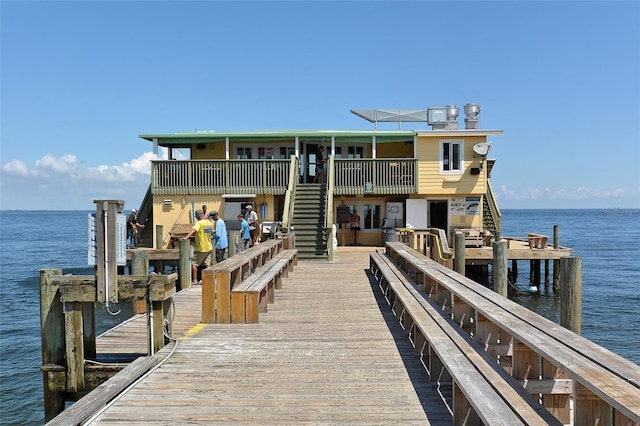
column 452, row 116
column 471, row 120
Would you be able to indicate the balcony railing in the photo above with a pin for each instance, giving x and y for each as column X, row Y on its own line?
column 380, row 176
column 210, row 177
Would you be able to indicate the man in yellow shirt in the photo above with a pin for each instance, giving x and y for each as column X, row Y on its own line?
column 203, row 230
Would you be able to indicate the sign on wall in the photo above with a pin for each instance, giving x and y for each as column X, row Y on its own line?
column 458, row 206
column 472, row 207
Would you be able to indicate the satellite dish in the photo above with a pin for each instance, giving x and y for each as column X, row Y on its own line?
column 482, row 148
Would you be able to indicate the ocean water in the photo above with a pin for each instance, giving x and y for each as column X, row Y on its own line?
column 607, row 240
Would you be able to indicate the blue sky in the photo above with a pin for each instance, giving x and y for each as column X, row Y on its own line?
column 81, row 80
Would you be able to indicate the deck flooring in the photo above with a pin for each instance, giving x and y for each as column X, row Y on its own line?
column 329, row 351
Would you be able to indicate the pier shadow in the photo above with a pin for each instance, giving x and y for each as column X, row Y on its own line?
column 431, row 400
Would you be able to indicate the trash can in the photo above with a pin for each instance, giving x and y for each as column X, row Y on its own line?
column 389, row 234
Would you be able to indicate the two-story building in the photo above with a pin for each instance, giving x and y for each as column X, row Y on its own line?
column 394, row 178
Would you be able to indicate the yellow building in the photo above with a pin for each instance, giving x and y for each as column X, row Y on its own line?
column 394, row 178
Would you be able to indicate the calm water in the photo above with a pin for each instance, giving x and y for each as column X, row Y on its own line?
column 608, row 241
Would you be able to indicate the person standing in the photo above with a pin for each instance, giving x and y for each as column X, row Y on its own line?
column 245, row 235
column 219, row 236
column 203, row 230
column 355, row 227
column 252, row 220
column 320, row 172
column 132, row 228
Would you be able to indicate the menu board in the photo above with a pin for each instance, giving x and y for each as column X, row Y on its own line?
column 344, row 214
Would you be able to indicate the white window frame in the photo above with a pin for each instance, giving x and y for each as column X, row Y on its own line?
column 360, row 207
column 452, row 142
column 244, row 148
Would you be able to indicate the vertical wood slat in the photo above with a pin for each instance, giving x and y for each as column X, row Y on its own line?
column 74, row 344
column 222, row 297
column 208, row 297
column 139, row 266
column 558, row 405
column 52, row 338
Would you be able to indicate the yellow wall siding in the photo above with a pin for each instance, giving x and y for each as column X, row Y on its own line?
column 394, row 150
column 431, row 182
column 211, row 151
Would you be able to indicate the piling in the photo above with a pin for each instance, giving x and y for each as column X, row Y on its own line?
column 500, row 269
column 52, row 338
column 184, row 268
column 571, row 293
column 556, row 263
column 139, row 266
column 159, row 234
column 459, row 259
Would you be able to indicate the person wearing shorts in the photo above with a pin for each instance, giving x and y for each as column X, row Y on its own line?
column 203, row 230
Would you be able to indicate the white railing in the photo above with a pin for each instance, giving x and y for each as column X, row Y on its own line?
column 380, row 176
column 204, row 177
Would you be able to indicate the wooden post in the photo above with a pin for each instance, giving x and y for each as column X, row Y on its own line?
column 343, row 234
column 184, row 268
column 139, row 266
column 514, row 269
column 159, row 236
column 556, row 263
column 571, row 293
column 52, row 339
column 536, row 273
column 233, row 242
column 459, row 260
column 74, row 346
column 500, row 269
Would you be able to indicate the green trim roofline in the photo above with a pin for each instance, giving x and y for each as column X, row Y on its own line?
column 341, row 136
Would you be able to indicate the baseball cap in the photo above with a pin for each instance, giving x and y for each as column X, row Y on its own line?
column 248, row 206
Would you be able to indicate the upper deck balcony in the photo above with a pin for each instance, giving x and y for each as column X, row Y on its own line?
column 211, row 177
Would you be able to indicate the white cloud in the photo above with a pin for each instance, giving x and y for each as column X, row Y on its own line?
column 580, row 197
column 15, row 167
column 63, row 182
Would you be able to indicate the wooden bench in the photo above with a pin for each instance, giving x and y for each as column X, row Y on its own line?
column 547, row 359
column 252, row 295
column 219, row 279
column 473, row 237
column 481, row 392
column 537, row 241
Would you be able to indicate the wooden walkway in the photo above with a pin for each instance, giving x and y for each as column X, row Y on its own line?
column 329, row 351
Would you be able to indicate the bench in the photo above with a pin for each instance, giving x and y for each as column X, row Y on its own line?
column 473, row 237
column 217, row 280
column 537, row 241
column 481, row 392
column 252, row 295
column 547, row 359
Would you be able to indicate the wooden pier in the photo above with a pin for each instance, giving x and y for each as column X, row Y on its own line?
column 331, row 350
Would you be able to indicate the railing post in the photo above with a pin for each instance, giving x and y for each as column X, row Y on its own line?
column 556, row 263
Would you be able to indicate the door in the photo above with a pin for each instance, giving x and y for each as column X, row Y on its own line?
column 308, row 166
column 439, row 214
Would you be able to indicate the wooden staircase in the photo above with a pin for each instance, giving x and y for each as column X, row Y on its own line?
column 308, row 221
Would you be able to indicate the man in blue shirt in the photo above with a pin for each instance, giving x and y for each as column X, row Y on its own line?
column 245, row 236
column 219, row 236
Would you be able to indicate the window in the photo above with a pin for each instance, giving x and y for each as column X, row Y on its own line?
column 286, row 152
column 451, row 156
column 243, row 153
column 369, row 215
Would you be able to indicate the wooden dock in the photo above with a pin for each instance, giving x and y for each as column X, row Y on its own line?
column 328, row 351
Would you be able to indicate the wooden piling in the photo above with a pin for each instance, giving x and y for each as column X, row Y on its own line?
column 556, row 263
column 459, row 259
column 184, row 268
column 52, row 339
column 159, row 235
column 571, row 293
column 500, row 261
column 139, row 266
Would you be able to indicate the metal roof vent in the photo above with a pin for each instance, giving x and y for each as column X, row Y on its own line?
column 471, row 120
column 443, row 118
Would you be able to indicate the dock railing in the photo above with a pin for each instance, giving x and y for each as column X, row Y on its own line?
column 554, row 364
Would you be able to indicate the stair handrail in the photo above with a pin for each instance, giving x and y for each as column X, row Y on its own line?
column 328, row 217
column 494, row 210
column 289, row 198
